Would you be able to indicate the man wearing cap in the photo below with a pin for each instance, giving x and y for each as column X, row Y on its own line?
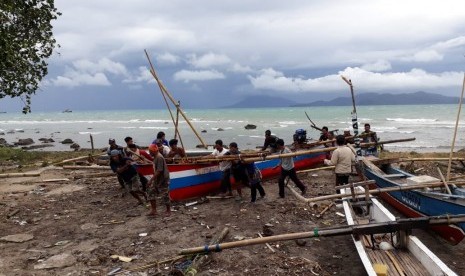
column 160, row 181
column 114, row 146
column 124, row 168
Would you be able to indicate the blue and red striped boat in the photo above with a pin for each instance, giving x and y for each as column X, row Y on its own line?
column 192, row 180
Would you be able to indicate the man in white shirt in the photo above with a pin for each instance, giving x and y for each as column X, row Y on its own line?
column 225, row 167
column 287, row 169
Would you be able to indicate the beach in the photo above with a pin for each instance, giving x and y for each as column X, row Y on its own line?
column 82, row 220
column 431, row 125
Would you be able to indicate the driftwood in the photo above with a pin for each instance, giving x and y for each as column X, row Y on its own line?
column 372, row 228
column 10, row 175
column 78, row 158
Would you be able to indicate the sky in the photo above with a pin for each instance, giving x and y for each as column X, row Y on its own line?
column 211, row 53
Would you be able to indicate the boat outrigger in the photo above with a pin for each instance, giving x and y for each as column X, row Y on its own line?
column 395, row 253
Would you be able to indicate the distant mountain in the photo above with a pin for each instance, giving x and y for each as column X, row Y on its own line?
column 387, row 99
column 262, row 101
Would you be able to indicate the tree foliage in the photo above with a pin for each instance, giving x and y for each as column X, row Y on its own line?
column 26, row 41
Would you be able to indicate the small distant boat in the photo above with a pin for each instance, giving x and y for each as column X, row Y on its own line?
column 398, row 253
column 420, row 202
column 67, row 111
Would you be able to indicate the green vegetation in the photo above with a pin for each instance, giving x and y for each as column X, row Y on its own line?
column 26, row 41
column 12, row 159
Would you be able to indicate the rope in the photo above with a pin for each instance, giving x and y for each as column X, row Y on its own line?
column 315, row 232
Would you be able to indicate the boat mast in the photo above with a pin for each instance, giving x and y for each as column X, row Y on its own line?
column 177, row 104
column 358, row 149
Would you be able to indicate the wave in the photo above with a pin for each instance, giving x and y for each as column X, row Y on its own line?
column 90, row 132
column 142, row 127
column 419, row 120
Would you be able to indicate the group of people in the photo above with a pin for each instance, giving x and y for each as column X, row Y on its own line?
column 122, row 160
column 344, row 155
column 161, row 152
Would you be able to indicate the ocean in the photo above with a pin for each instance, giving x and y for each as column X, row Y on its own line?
column 431, row 125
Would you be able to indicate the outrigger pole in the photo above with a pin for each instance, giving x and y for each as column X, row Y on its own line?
column 455, row 131
column 177, row 104
column 362, row 229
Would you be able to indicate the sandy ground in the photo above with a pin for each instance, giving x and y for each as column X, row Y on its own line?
column 78, row 224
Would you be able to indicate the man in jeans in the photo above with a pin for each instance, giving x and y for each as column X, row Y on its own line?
column 287, row 169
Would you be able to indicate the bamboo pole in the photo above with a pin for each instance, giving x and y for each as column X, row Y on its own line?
column 78, row 158
column 444, row 181
column 86, row 167
column 200, row 260
column 455, row 131
column 9, row 175
column 317, row 169
column 373, row 191
column 162, row 87
column 373, row 228
column 427, row 159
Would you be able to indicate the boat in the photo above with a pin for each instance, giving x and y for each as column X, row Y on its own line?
column 67, row 111
column 395, row 253
column 191, row 180
column 419, row 202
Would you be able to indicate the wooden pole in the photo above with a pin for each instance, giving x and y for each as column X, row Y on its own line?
column 455, row 131
column 372, row 228
column 91, row 144
column 162, row 87
column 373, row 191
column 86, row 167
column 77, row 158
column 317, row 169
column 444, row 181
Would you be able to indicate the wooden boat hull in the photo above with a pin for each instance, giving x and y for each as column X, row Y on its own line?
column 415, row 203
column 196, row 180
column 414, row 259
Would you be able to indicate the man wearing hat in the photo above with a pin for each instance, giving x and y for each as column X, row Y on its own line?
column 113, row 146
column 160, row 181
column 124, row 168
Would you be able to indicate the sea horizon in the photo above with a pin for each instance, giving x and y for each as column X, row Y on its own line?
column 431, row 125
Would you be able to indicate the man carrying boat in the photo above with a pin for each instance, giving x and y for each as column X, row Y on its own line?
column 159, row 182
column 370, row 137
column 238, row 169
column 113, row 146
column 287, row 169
column 270, row 141
column 176, row 152
column 124, row 168
column 342, row 159
column 225, row 167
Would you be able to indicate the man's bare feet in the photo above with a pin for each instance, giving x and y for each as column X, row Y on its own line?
column 151, row 214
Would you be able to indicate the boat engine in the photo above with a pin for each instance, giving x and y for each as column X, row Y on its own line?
column 300, row 136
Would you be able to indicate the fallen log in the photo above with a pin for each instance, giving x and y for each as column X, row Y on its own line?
column 372, row 228
column 9, row 175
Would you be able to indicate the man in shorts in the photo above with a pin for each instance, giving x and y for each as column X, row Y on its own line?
column 159, row 182
column 124, row 169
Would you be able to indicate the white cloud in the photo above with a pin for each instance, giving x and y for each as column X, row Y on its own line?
column 415, row 79
column 201, row 75
column 141, row 75
column 209, row 60
column 378, row 66
column 427, row 55
column 167, row 59
column 74, row 79
column 85, row 72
